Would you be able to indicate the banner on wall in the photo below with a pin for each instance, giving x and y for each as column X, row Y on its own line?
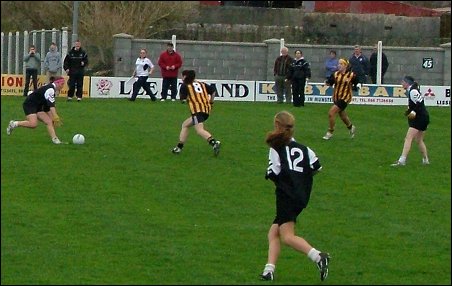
column 369, row 94
column 13, row 85
column 121, row 87
column 237, row 90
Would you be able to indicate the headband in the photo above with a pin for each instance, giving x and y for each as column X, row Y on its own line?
column 343, row 61
column 60, row 80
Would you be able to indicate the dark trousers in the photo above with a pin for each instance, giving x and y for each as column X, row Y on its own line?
column 374, row 78
column 75, row 81
column 298, row 86
column 141, row 83
column 169, row 83
column 30, row 73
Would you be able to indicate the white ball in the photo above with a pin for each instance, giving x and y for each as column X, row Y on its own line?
column 78, row 139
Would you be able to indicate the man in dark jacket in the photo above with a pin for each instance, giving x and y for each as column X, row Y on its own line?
column 359, row 64
column 299, row 73
column 74, row 65
column 280, row 70
column 373, row 66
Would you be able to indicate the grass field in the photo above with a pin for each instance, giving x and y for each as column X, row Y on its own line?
column 122, row 209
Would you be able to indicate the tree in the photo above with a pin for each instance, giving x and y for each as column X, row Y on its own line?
column 99, row 21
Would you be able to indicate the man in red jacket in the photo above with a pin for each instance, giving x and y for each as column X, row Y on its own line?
column 170, row 62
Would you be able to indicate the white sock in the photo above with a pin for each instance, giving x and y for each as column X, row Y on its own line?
column 269, row 268
column 15, row 124
column 314, row 255
column 402, row 159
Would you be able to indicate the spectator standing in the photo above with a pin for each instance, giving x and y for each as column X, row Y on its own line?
column 74, row 64
column 52, row 62
column 373, row 66
column 291, row 167
column 344, row 82
column 331, row 64
column 200, row 97
column 280, row 70
column 143, row 69
column 32, row 64
column 418, row 120
column 169, row 62
column 359, row 64
column 299, row 73
column 40, row 105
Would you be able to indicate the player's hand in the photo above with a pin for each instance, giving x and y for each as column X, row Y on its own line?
column 411, row 115
column 57, row 121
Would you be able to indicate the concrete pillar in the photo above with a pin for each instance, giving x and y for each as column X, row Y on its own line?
column 446, row 63
column 122, row 55
column 273, row 51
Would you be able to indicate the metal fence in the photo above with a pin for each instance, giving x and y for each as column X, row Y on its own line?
column 15, row 47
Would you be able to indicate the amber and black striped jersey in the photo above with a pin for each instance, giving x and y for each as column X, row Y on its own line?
column 343, row 84
column 198, row 96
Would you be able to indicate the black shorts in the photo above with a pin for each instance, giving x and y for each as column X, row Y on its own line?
column 199, row 117
column 33, row 109
column 341, row 104
column 419, row 122
column 287, row 209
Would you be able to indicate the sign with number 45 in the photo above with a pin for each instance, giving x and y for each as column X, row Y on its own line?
column 427, row 63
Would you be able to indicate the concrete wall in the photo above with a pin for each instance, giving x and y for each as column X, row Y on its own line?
column 256, row 24
column 254, row 61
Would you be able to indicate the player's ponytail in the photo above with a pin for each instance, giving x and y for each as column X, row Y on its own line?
column 284, row 123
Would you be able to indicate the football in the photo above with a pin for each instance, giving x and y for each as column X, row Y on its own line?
column 78, row 139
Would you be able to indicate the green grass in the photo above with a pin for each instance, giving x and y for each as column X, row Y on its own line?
column 122, row 209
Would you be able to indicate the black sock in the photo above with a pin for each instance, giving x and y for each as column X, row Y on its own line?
column 211, row 140
column 180, row 145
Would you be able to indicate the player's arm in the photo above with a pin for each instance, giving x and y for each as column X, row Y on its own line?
column 330, row 80
column 274, row 166
column 183, row 91
column 212, row 91
column 314, row 162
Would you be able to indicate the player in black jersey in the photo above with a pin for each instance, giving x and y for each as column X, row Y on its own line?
column 418, row 120
column 291, row 167
column 40, row 105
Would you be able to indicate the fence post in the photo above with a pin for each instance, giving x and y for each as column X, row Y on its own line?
column 64, row 47
column 281, row 45
column 173, row 40
column 26, row 46
column 54, row 34
column 10, row 46
column 34, row 37
column 2, row 50
column 16, row 66
column 43, row 49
